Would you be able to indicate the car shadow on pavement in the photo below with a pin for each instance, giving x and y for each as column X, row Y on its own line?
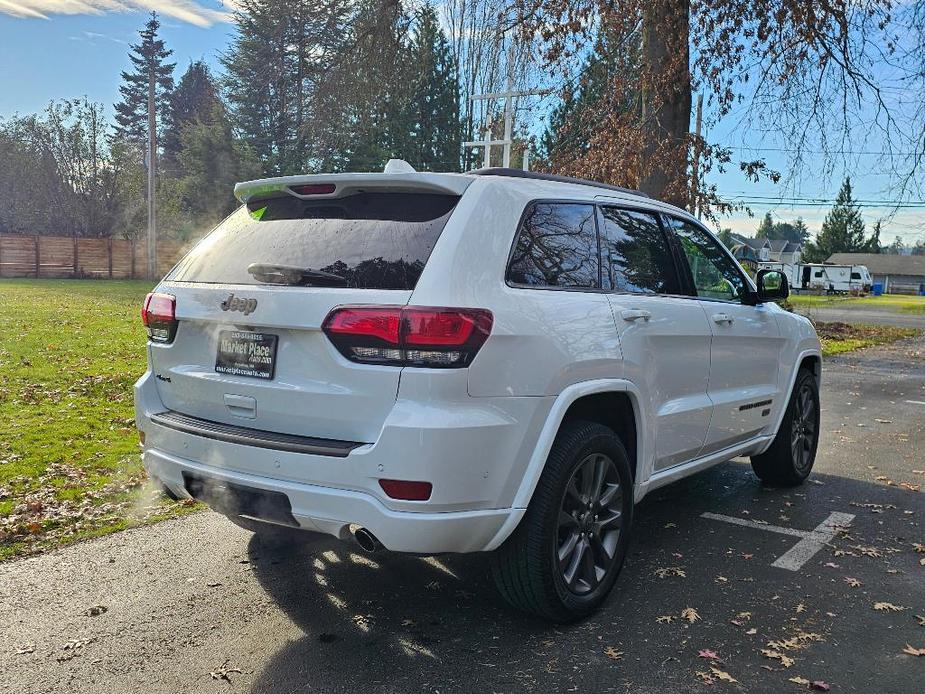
column 387, row 622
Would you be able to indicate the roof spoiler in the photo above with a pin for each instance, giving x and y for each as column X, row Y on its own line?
column 343, row 184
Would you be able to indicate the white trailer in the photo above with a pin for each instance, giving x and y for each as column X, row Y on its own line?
column 832, row 279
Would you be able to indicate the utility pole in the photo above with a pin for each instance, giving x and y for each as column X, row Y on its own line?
column 152, row 167
column 508, row 95
column 695, row 169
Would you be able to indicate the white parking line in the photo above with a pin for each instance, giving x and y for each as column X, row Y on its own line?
column 915, row 402
column 811, row 541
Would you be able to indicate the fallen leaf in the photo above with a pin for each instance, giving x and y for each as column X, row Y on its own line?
column 918, row 547
column 722, row 675
column 888, row 607
column 921, row 620
column 751, row 632
column 95, row 611
column 909, row 650
column 223, row 672
column 785, row 660
column 798, row 680
column 665, row 619
column 613, row 653
column 853, row 582
column 690, row 614
column 801, row 608
column 705, row 677
column 25, row 649
column 820, row 685
column 707, row 653
column 667, row 571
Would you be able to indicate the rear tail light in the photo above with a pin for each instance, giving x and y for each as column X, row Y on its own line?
column 409, row 335
column 159, row 316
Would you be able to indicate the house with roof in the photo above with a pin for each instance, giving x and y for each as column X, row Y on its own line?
column 784, row 251
column 899, row 274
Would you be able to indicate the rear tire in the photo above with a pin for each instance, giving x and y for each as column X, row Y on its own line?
column 789, row 460
column 563, row 559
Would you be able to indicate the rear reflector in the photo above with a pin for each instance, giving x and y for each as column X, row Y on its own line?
column 407, row 490
column 159, row 317
column 409, row 335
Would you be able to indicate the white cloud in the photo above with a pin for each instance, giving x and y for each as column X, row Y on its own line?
column 184, row 10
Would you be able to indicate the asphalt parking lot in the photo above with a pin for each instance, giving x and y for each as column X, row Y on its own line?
column 197, row 605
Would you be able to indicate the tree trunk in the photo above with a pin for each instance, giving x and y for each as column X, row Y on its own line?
column 666, row 100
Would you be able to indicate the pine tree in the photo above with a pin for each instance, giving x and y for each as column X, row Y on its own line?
column 766, row 228
column 147, row 57
column 436, row 133
column 280, row 72
column 573, row 122
column 842, row 231
column 194, row 100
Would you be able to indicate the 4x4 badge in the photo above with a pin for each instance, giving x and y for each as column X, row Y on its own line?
column 233, row 303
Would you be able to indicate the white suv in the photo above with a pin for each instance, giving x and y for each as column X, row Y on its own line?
column 496, row 361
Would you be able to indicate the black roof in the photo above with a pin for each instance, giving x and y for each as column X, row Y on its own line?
column 520, row 173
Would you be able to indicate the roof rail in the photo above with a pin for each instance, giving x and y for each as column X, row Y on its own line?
column 536, row 175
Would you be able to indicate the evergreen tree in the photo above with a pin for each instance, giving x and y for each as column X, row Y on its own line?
column 842, row 231
column 280, row 72
column 211, row 160
column 148, row 57
column 375, row 87
column 194, row 100
column 573, row 122
column 434, row 101
column 766, row 228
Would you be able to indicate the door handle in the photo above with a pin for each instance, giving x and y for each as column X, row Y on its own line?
column 723, row 318
column 632, row 314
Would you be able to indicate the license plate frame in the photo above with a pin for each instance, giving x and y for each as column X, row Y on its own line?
column 246, row 353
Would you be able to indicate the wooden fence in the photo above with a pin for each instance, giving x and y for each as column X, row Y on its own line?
column 65, row 256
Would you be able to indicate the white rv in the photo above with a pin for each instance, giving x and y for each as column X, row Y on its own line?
column 832, row 279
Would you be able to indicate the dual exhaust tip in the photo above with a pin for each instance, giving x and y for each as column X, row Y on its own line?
column 368, row 542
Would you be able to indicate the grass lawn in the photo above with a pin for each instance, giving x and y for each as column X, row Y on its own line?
column 898, row 303
column 69, row 465
column 837, row 338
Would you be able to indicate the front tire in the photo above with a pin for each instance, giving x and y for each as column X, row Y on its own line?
column 789, row 460
column 563, row 559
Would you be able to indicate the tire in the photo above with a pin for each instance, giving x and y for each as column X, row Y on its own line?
column 790, row 458
column 527, row 569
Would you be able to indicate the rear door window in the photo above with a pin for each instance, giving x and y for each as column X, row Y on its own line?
column 635, row 255
column 556, row 247
column 362, row 241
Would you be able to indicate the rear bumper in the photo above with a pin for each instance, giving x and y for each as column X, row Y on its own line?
column 473, row 450
column 332, row 511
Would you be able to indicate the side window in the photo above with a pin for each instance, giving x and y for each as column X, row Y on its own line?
column 716, row 275
column 556, row 247
column 634, row 253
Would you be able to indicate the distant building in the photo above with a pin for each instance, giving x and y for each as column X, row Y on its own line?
column 899, row 274
column 783, row 251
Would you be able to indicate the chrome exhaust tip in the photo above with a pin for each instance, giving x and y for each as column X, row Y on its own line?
column 366, row 540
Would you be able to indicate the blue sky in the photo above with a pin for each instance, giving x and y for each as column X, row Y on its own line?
column 53, row 49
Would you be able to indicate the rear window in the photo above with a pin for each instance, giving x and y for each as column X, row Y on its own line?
column 365, row 241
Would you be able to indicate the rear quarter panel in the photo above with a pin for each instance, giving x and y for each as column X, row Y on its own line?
column 542, row 340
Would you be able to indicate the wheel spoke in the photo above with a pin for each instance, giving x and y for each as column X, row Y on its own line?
column 600, row 472
column 587, row 480
column 567, row 548
column 608, row 496
column 571, row 573
column 601, row 553
column 610, row 521
column 572, row 491
column 567, row 520
column 589, row 568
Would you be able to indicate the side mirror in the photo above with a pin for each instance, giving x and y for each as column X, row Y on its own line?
column 772, row 286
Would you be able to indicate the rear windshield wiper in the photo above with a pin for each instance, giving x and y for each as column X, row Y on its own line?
column 298, row 276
